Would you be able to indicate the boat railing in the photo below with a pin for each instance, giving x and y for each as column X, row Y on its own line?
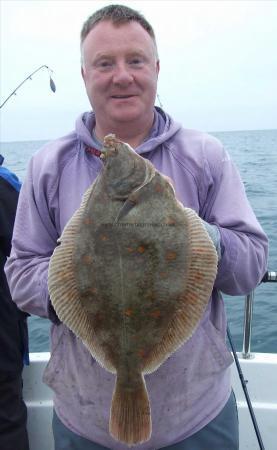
column 248, row 313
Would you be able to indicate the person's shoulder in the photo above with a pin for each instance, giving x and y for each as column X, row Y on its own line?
column 5, row 172
column 198, row 145
column 55, row 148
column 55, row 154
column 198, row 138
column 8, row 178
column 61, row 150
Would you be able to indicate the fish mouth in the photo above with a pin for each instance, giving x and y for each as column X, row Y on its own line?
column 110, row 146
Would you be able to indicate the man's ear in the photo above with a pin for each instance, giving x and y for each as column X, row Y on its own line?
column 83, row 73
column 157, row 67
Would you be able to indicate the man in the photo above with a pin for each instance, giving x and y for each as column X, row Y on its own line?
column 192, row 403
column 13, row 329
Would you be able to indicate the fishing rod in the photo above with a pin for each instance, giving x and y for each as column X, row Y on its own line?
column 29, row 77
column 245, row 390
column 268, row 277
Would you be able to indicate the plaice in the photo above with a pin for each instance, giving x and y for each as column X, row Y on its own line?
column 131, row 278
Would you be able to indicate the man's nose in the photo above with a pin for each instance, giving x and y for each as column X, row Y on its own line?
column 122, row 74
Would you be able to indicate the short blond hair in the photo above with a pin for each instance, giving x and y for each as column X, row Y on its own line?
column 118, row 15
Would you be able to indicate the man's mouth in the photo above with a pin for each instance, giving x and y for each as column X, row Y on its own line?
column 122, row 96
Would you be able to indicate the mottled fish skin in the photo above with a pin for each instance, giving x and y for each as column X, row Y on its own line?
column 141, row 271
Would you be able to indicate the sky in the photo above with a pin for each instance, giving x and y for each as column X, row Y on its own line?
column 218, row 64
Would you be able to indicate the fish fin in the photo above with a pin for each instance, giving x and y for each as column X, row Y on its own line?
column 138, row 194
column 130, row 417
column 127, row 206
column 63, row 289
column 199, row 282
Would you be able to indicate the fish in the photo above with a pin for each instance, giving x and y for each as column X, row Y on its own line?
column 131, row 277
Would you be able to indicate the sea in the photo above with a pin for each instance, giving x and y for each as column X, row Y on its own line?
column 255, row 154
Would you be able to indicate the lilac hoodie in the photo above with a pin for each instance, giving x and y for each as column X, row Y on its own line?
column 193, row 385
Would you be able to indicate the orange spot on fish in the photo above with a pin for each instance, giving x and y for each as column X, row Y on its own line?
column 151, row 296
column 159, row 188
column 141, row 249
column 104, row 237
column 64, row 274
column 163, row 275
column 156, row 314
column 191, row 296
column 200, row 250
column 128, row 312
column 198, row 277
column 93, row 290
column 141, row 352
column 87, row 259
column 170, row 221
column 170, row 255
column 98, row 320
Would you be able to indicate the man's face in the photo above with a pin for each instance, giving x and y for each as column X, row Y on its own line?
column 120, row 71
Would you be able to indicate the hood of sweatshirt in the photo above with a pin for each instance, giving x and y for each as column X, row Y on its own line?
column 164, row 128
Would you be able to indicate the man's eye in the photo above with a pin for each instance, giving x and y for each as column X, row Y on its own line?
column 136, row 61
column 104, row 64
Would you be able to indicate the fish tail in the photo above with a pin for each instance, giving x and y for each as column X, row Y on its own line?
column 130, row 418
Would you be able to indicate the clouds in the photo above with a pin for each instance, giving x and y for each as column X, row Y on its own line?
column 218, row 63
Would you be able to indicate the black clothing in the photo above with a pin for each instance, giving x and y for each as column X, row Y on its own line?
column 13, row 331
column 13, row 326
column 13, row 414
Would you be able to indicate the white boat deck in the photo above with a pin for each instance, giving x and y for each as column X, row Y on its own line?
column 260, row 371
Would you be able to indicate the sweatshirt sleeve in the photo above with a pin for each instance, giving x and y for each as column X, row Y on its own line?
column 244, row 245
column 34, row 240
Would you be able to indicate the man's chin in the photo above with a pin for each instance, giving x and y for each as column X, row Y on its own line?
column 126, row 116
